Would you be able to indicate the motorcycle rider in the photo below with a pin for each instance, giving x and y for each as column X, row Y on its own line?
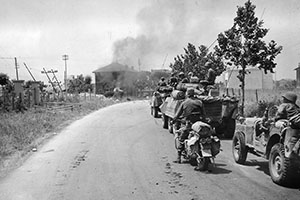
column 191, row 110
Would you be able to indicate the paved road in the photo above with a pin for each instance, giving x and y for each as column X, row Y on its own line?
column 121, row 152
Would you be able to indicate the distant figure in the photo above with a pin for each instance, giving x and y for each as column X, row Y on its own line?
column 193, row 78
column 211, row 74
column 173, row 81
column 180, row 76
column 118, row 93
column 162, row 82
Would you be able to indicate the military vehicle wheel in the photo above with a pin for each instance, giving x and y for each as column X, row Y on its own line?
column 155, row 109
column 164, row 121
column 239, row 149
column 203, row 163
column 151, row 110
column 176, row 141
column 170, row 126
column 230, row 128
column 280, row 167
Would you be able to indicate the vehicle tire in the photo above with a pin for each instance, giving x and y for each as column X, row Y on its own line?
column 151, row 110
column 203, row 163
column 164, row 121
column 170, row 126
column 155, row 110
column 281, row 167
column 239, row 149
column 230, row 128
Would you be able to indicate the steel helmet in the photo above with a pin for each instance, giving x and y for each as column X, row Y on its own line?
column 208, row 64
column 181, row 74
column 190, row 74
column 290, row 96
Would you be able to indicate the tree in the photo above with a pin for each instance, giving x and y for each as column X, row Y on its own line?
column 195, row 61
column 4, row 79
column 243, row 45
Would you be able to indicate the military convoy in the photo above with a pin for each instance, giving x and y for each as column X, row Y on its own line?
column 249, row 135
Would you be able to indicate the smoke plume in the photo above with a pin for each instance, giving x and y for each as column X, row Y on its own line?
column 166, row 26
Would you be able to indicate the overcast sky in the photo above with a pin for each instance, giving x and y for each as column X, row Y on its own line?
column 95, row 32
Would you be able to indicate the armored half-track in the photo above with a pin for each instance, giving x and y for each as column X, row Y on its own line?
column 220, row 111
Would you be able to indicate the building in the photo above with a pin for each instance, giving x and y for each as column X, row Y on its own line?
column 256, row 79
column 114, row 75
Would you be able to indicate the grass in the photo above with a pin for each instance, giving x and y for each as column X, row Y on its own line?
column 21, row 132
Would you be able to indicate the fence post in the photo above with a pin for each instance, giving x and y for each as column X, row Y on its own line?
column 29, row 94
column 256, row 96
column 12, row 100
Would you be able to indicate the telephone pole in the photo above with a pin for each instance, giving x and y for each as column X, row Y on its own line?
column 45, row 72
column 16, row 65
column 58, row 82
column 65, row 58
column 29, row 72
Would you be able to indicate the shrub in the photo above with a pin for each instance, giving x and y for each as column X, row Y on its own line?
column 258, row 109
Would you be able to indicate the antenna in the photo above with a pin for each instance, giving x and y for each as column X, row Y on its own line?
column 164, row 61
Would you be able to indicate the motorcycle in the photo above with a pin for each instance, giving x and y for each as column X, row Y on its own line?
column 201, row 147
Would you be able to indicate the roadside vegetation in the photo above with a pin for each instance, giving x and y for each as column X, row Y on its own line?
column 21, row 132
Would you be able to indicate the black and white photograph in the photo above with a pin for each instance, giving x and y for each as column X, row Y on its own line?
column 149, row 99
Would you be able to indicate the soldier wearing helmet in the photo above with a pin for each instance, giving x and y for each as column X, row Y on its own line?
column 162, row 82
column 173, row 81
column 180, row 76
column 288, row 108
column 191, row 110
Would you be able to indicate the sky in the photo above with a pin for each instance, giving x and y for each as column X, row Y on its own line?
column 145, row 34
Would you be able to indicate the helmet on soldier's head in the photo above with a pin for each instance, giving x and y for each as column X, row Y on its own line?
column 181, row 74
column 190, row 74
column 207, row 64
column 190, row 92
column 290, row 96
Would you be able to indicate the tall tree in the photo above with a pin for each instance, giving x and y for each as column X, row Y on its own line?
column 194, row 60
column 243, row 45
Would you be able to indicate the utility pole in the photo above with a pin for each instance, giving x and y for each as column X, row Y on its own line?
column 29, row 72
column 53, row 72
column 16, row 65
column 65, row 58
column 45, row 72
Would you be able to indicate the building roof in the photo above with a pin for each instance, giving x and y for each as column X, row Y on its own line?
column 114, row 67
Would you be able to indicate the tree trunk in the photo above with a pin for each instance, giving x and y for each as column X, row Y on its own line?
column 243, row 73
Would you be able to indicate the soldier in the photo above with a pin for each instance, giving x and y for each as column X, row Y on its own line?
column 288, row 108
column 191, row 110
column 173, row 81
column 193, row 78
column 211, row 74
column 162, row 82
